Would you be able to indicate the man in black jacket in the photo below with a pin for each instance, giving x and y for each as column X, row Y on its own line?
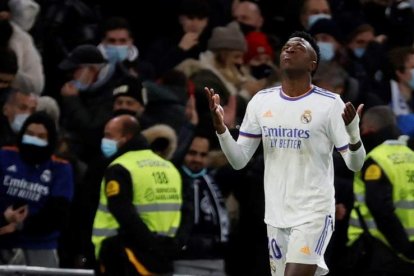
column 206, row 228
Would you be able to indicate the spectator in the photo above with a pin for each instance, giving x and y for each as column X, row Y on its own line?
column 259, row 60
column 398, row 91
column 189, row 42
column 33, row 178
column 30, row 74
column 139, row 208
column 8, row 71
column 383, row 191
column 205, row 230
column 329, row 38
column 17, row 108
column 313, row 10
column 117, row 46
column 86, row 98
column 129, row 97
column 249, row 16
column 221, row 66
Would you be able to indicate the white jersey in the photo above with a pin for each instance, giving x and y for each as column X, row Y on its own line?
column 298, row 136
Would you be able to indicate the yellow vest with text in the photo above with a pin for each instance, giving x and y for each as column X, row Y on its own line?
column 397, row 162
column 157, row 196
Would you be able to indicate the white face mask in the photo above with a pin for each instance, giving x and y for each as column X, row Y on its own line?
column 312, row 19
column 33, row 140
column 18, row 121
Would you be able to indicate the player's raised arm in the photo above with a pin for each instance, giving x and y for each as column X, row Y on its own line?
column 355, row 156
column 237, row 153
column 217, row 112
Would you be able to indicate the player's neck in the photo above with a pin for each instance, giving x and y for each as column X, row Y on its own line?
column 296, row 87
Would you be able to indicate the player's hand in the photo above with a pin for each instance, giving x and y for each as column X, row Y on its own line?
column 350, row 112
column 217, row 112
column 351, row 120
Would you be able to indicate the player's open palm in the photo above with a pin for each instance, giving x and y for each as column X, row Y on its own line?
column 217, row 112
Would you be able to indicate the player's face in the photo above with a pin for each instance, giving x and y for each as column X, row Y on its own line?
column 196, row 157
column 297, row 56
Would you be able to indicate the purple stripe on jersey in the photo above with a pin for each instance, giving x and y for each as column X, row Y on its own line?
column 342, row 148
column 250, row 135
column 322, row 237
column 284, row 96
column 323, row 94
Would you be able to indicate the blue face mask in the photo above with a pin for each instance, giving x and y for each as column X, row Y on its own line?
column 327, row 50
column 18, row 121
column 109, row 147
column 359, row 52
column 116, row 53
column 411, row 83
column 315, row 17
column 80, row 85
column 193, row 174
column 33, row 140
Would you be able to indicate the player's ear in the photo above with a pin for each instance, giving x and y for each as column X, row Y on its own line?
column 312, row 66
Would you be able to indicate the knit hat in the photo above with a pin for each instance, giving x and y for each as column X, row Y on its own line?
column 228, row 37
column 129, row 87
column 83, row 54
column 257, row 43
column 326, row 26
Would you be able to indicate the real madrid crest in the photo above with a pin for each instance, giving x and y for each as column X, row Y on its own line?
column 306, row 117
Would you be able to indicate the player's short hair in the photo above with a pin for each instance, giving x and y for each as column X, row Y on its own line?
column 306, row 36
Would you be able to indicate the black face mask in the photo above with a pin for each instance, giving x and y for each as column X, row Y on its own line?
column 34, row 155
column 246, row 28
column 261, row 71
column 124, row 112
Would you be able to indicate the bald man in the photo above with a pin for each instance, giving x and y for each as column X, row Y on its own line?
column 249, row 16
column 139, row 209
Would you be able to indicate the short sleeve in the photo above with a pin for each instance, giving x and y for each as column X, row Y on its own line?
column 337, row 131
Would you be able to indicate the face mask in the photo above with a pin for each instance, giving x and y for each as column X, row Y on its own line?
column 359, row 52
column 192, row 174
column 312, row 19
column 261, row 71
column 116, row 53
column 327, row 50
column 109, row 147
column 33, row 140
column 18, row 121
column 246, row 28
column 80, row 85
column 411, row 83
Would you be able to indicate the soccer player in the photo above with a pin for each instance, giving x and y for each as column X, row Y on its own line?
column 299, row 125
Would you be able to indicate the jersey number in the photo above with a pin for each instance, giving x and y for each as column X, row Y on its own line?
column 160, row 177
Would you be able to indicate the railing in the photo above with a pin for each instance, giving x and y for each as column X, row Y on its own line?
column 31, row 270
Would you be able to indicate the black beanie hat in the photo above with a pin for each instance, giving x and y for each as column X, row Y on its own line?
column 42, row 118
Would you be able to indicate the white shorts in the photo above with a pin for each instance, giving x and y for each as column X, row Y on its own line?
column 304, row 244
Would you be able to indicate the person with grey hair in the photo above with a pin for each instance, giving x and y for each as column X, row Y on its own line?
column 17, row 108
column 383, row 192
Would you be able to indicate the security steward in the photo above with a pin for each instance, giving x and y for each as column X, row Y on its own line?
column 139, row 208
column 384, row 191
